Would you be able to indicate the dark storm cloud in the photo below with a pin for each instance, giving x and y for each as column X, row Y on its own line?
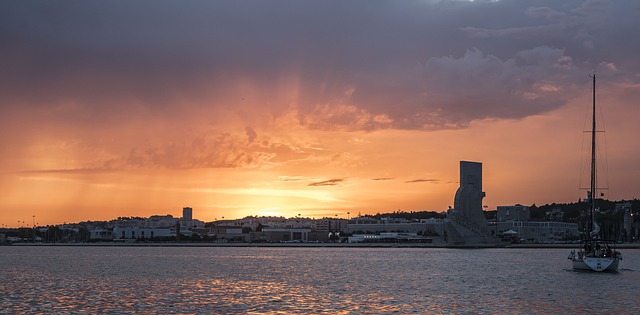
column 360, row 65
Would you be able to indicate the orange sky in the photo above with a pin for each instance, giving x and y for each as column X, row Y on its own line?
column 262, row 119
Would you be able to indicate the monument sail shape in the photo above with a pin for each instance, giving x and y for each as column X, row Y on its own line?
column 596, row 254
column 468, row 199
column 466, row 222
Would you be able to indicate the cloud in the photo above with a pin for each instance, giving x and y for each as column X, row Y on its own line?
column 292, row 178
column 69, row 171
column 478, row 86
column 207, row 149
column 329, row 182
column 448, row 92
column 217, row 150
column 214, row 151
column 251, row 134
column 426, row 180
column 350, row 66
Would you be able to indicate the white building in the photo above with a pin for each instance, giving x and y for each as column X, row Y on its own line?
column 389, row 237
column 370, row 226
column 135, row 232
column 101, row 234
column 157, row 221
column 539, row 231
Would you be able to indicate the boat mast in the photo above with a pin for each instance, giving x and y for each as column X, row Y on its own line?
column 593, row 194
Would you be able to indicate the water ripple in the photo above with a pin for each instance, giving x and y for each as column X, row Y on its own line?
column 121, row 280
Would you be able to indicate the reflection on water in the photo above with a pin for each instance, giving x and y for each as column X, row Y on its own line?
column 307, row 280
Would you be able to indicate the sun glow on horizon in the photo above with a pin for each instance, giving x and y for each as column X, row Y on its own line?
column 269, row 212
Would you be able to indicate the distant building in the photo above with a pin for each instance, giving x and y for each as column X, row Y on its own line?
column 135, row 232
column 157, row 221
column 389, row 237
column 225, row 229
column 537, row 231
column 187, row 213
column 156, row 226
column 101, row 234
column 187, row 223
column 331, row 225
column 367, row 225
column 631, row 223
column 556, row 214
column 286, row 234
column 292, row 235
column 514, row 225
column 513, row 213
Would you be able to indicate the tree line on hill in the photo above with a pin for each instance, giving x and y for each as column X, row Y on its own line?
column 572, row 212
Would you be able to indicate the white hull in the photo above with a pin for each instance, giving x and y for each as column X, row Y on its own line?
column 596, row 264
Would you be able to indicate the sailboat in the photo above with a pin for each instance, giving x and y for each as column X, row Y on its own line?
column 595, row 254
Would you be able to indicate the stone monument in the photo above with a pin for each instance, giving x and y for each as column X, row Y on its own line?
column 466, row 222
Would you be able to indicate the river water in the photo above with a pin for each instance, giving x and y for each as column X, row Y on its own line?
column 308, row 280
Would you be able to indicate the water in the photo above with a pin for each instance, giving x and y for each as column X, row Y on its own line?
column 262, row 280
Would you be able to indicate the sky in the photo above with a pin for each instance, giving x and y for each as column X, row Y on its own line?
column 311, row 108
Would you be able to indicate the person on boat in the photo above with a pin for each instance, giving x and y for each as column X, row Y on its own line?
column 607, row 251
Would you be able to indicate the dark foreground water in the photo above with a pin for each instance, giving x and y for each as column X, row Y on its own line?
column 214, row 280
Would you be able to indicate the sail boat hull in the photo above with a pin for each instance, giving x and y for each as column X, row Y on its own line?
column 596, row 255
column 596, row 264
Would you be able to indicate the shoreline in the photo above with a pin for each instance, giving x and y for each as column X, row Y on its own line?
column 321, row 245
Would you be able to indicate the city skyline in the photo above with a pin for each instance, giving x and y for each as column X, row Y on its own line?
column 290, row 108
